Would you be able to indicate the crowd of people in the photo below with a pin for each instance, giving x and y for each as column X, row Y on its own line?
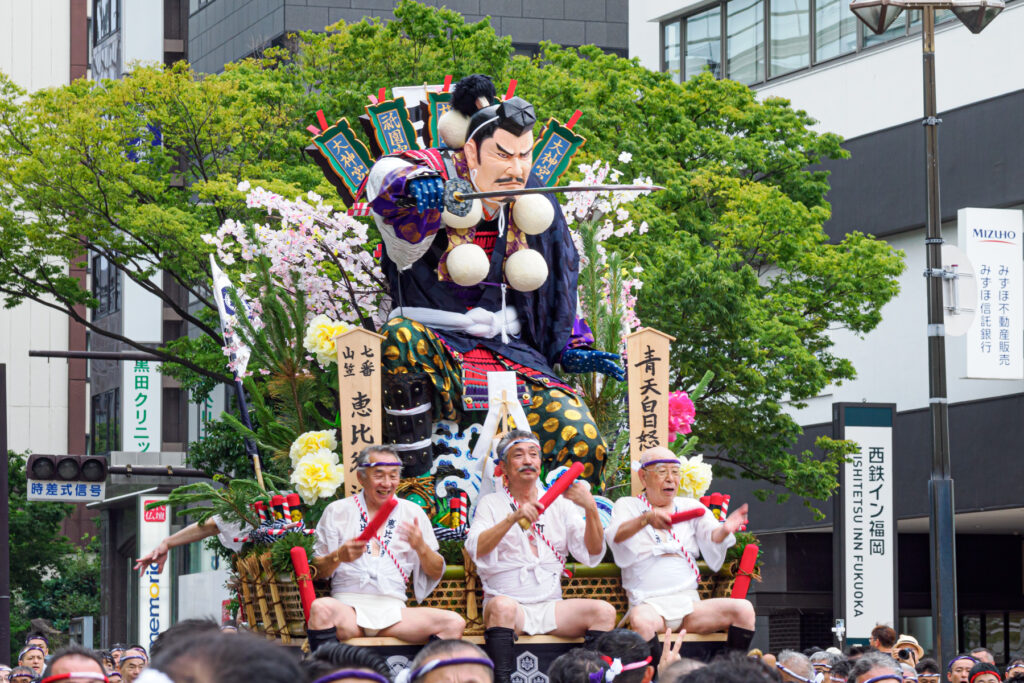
column 201, row 651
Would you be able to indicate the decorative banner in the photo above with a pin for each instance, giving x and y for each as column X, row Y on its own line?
column 554, row 151
column 437, row 105
column 222, row 290
column 867, row 541
column 390, row 127
column 154, row 587
column 647, row 360
column 992, row 240
column 140, row 405
column 359, row 397
column 343, row 158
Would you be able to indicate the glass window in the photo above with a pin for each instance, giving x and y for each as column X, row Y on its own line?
column 972, row 632
column 106, row 287
column 105, row 19
column 704, row 43
column 670, row 34
column 898, row 28
column 835, row 29
column 995, row 628
column 745, row 46
column 1015, row 626
column 791, row 36
column 106, row 422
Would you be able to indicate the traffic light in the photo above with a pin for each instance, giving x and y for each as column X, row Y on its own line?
column 69, row 478
column 88, row 468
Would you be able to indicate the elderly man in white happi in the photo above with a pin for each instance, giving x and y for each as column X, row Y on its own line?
column 368, row 579
column 521, row 569
column 659, row 559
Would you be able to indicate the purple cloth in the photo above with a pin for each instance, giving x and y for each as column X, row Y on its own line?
column 408, row 223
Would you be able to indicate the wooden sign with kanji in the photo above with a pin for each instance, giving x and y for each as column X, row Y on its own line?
column 647, row 352
column 359, row 397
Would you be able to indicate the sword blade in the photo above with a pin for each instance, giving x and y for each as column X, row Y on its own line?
column 561, row 189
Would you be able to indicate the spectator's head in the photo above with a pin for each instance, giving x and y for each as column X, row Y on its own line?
column 855, row 652
column 115, row 654
column 575, row 666
column 883, row 638
column 5, row 673
column 875, row 665
column 219, row 658
column 679, row 668
column 735, row 668
column 75, row 660
column 909, row 672
column 131, row 664
column 114, row 676
column 22, row 674
column 39, row 640
column 795, row 667
column 627, row 654
column 823, row 661
column 983, row 654
column 959, row 668
column 33, row 657
column 334, row 658
column 184, row 629
column 927, row 666
column 907, row 649
column 983, row 672
column 840, row 671
column 1015, row 669
column 444, row 661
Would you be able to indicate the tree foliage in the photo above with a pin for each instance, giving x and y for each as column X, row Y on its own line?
column 736, row 264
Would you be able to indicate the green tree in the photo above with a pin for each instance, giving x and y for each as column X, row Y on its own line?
column 737, row 266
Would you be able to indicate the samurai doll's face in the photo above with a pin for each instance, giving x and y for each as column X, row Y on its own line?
column 501, row 162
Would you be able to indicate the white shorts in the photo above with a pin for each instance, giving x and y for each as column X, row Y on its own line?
column 374, row 613
column 674, row 607
column 538, row 617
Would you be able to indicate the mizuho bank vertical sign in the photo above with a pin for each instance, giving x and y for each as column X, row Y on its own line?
column 154, row 587
column 991, row 238
column 869, row 526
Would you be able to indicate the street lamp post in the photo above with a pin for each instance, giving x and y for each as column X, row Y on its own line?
column 878, row 15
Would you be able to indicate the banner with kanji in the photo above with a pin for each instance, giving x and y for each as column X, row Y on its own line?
column 647, row 361
column 141, row 406
column 359, row 397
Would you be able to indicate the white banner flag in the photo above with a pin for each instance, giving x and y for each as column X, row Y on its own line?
column 228, row 317
column 992, row 241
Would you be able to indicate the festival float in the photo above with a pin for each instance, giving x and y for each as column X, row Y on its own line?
column 306, row 337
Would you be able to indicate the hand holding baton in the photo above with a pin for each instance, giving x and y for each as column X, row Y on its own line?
column 686, row 515
column 378, row 520
column 556, row 489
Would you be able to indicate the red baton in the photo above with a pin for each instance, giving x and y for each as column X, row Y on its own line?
column 687, row 515
column 742, row 585
column 560, row 486
column 378, row 520
column 300, row 563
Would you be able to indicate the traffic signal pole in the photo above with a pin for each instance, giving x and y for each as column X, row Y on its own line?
column 5, row 539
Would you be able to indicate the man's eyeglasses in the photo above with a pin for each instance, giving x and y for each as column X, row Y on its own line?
column 665, row 472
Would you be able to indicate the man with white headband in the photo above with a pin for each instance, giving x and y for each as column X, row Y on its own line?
column 74, row 664
column 449, row 661
column 369, row 578
column 494, row 290
column 659, row 559
column 521, row 569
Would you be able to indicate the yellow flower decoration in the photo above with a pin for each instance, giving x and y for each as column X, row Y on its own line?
column 318, row 475
column 694, row 477
column 311, row 442
column 319, row 339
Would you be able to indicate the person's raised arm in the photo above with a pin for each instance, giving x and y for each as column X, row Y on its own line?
column 190, row 534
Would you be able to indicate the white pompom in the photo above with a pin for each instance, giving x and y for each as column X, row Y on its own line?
column 453, row 127
column 525, row 270
column 476, row 212
column 468, row 264
column 533, row 213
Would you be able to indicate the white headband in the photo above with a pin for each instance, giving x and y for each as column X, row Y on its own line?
column 477, row 129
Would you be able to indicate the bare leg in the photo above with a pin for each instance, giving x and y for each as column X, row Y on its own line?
column 646, row 621
column 328, row 613
column 575, row 617
column 504, row 612
column 419, row 623
column 718, row 614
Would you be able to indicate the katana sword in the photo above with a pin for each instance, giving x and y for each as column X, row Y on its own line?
column 459, row 194
column 467, row 196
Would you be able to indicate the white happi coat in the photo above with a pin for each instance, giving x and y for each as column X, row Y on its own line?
column 511, row 569
column 651, row 561
column 375, row 574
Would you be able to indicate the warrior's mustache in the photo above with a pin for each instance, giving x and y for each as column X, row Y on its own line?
column 509, row 180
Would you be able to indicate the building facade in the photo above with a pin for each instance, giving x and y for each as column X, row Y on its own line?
column 868, row 89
